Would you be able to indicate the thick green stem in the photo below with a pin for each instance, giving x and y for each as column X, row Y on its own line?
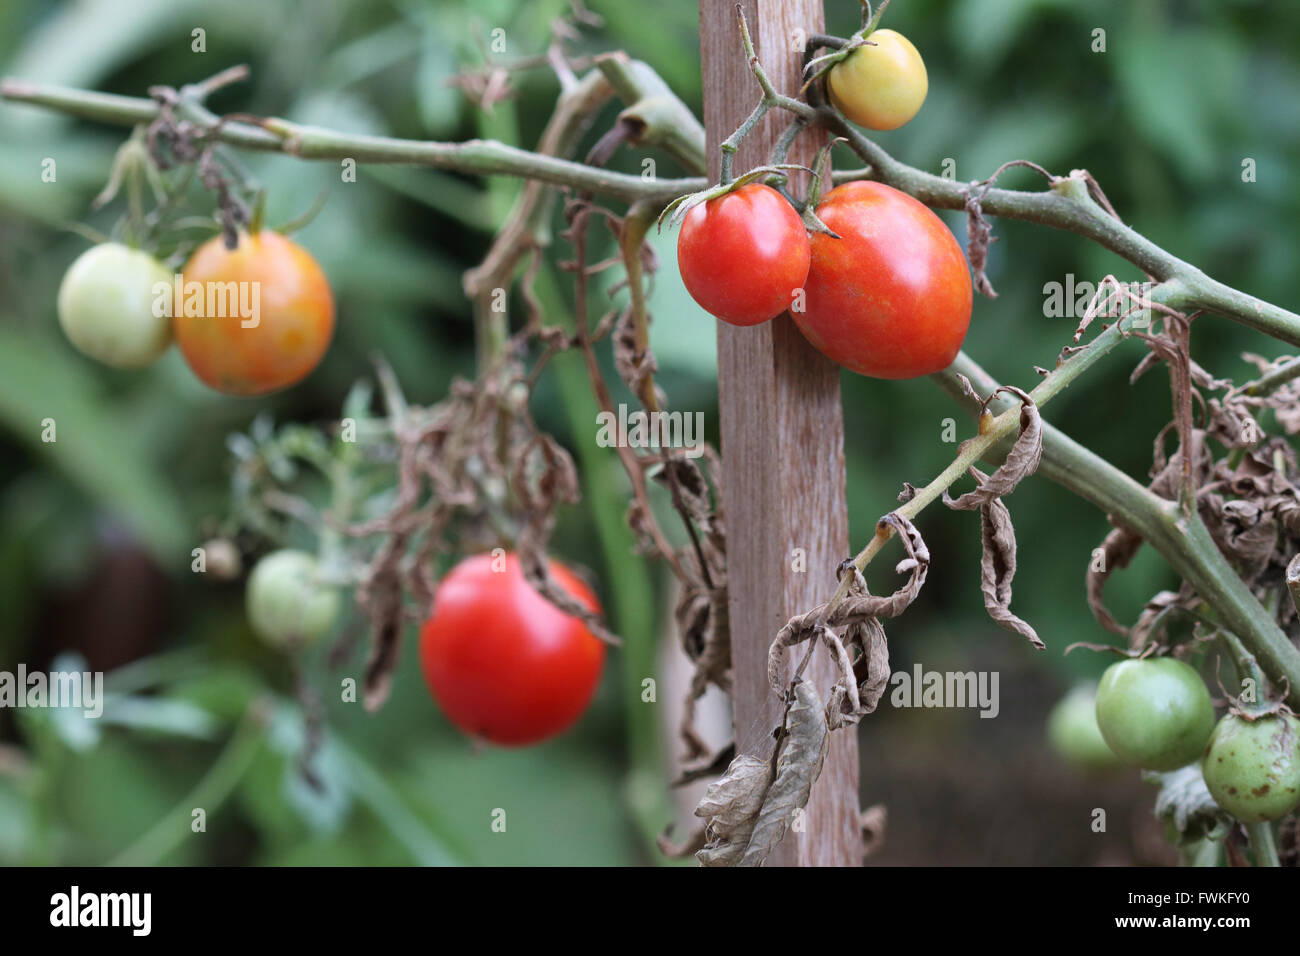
column 1262, row 842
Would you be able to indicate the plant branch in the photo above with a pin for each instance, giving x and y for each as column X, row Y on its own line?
column 482, row 157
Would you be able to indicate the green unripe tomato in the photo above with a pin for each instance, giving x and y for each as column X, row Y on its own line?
column 287, row 603
column 1154, row 713
column 107, row 308
column 1252, row 767
column 880, row 86
column 1073, row 731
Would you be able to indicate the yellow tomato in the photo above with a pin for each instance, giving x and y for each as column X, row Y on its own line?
column 880, row 86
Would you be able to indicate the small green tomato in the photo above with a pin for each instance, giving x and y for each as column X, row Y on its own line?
column 1154, row 713
column 287, row 603
column 1252, row 767
column 109, row 306
column 880, row 86
column 1073, row 731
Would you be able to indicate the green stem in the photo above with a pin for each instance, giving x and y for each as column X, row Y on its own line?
column 1261, row 840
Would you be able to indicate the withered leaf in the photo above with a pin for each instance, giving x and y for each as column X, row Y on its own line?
column 876, row 647
column 1117, row 550
column 730, row 809
column 1020, row 462
column 798, row 765
column 998, row 567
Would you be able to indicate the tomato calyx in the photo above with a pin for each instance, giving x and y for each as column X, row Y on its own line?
column 676, row 210
column 841, row 47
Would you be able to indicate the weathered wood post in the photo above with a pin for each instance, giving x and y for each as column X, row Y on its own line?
column 783, row 442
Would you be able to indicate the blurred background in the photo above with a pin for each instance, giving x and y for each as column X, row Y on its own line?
column 97, row 528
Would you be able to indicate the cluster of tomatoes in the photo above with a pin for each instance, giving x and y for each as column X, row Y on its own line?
column 123, row 307
column 505, row 664
column 887, row 292
column 1156, row 714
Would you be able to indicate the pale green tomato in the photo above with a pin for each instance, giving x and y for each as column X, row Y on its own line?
column 1073, row 731
column 109, row 306
column 1252, row 767
column 287, row 603
column 1154, row 713
column 881, row 86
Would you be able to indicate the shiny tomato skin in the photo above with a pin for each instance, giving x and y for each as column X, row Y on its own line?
column 891, row 297
column 294, row 325
column 744, row 256
column 881, row 85
column 505, row 664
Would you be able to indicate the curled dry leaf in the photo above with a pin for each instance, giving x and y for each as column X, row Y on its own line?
column 730, row 809
column 798, row 765
column 750, row 808
column 1020, row 462
column 544, row 476
column 998, row 567
column 1117, row 550
column 979, row 236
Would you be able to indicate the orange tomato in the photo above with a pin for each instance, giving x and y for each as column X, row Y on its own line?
column 254, row 319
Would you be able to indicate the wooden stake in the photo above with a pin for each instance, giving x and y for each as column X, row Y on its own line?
column 783, row 442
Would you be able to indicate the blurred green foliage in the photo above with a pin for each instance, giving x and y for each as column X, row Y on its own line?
column 1184, row 92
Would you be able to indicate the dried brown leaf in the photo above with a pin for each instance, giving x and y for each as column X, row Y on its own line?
column 798, row 765
column 998, row 567
column 1117, row 550
column 1020, row 462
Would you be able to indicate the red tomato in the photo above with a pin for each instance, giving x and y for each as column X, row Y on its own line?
column 743, row 255
column 504, row 663
column 234, row 350
column 891, row 298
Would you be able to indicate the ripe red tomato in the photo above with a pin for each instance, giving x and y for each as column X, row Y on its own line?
column 504, row 663
column 744, row 255
column 260, row 318
column 890, row 298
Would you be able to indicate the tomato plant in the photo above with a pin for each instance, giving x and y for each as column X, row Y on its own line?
column 1154, row 713
column 1073, row 731
column 504, row 663
column 1252, row 767
column 744, row 255
column 260, row 318
column 882, row 84
column 287, row 602
column 107, row 305
column 891, row 297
